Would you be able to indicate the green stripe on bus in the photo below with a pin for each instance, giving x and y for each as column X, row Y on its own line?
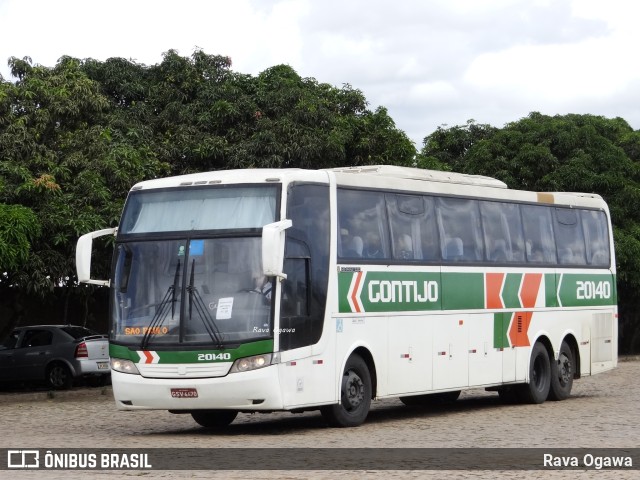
column 191, row 356
column 462, row 291
column 344, row 283
column 580, row 290
column 378, row 291
column 501, row 323
column 511, row 290
column 550, row 297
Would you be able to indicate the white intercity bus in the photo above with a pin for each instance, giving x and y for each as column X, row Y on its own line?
column 263, row 290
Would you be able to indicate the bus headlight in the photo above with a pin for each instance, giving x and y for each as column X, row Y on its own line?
column 124, row 366
column 251, row 363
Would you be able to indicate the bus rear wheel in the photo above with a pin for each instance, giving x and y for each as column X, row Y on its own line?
column 537, row 390
column 355, row 396
column 214, row 418
column 562, row 373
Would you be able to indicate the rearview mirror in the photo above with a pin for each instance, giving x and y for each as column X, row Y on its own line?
column 273, row 248
column 83, row 256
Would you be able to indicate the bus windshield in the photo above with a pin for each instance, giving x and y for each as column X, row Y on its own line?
column 198, row 291
column 194, row 208
column 188, row 267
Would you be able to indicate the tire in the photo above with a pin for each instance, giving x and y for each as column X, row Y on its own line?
column 59, row 377
column 431, row 399
column 537, row 390
column 216, row 419
column 355, row 396
column 562, row 373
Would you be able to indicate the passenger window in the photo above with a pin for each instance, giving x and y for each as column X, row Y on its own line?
column 414, row 230
column 362, row 224
column 569, row 237
column 11, row 341
column 459, row 225
column 503, row 235
column 538, row 233
column 37, row 338
column 596, row 234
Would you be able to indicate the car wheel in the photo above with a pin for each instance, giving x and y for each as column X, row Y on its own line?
column 59, row 376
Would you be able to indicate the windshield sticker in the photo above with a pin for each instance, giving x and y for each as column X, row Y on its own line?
column 196, row 248
column 225, row 308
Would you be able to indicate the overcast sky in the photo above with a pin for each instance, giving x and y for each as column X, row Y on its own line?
column 430, row 62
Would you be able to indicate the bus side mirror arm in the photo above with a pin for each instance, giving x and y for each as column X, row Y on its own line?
column 83, row 256
column 273, row 248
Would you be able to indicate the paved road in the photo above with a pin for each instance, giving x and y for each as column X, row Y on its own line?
column 603, row 411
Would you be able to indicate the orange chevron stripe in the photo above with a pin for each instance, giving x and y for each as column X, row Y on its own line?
column 493, row 289
column 148, row 356
column 354, row 294
column 530, row 288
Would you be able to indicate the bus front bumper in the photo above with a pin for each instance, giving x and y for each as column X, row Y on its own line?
column 256, row 390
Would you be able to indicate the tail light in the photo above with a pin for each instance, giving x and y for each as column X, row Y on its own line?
column 81, row 351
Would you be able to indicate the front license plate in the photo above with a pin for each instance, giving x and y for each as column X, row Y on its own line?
column 184, row 393
column 103, row 365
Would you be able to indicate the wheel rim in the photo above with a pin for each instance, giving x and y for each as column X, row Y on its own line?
column 57, row 376
column 565, row 369
column 352, row 391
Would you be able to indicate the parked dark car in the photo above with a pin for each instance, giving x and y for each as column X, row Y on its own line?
column 56, row 354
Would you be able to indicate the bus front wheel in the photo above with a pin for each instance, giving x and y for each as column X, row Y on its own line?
column 537, row 390
column 355, row 396
column 214, row 418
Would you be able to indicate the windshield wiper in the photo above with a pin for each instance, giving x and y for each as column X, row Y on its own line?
column 163, row 310
column 195, row 300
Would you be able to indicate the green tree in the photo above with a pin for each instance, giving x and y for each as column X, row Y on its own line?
column 575, row 153
column 18, row 228
column 203, row 116
column 65, row 168
column 74, row 138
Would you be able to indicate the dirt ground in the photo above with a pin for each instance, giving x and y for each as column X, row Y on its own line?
column 601, row 412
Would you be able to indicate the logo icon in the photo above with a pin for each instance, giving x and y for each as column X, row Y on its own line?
column 23, row 459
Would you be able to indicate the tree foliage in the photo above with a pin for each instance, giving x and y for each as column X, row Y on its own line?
column 74, row 138
column 574, row 153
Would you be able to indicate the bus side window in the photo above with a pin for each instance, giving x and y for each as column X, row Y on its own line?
column 362, row 224
column 596, row 234
column 569, row 237
column 538, row 232
column 413, row 227
column 460, row 218
column 502, row 226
